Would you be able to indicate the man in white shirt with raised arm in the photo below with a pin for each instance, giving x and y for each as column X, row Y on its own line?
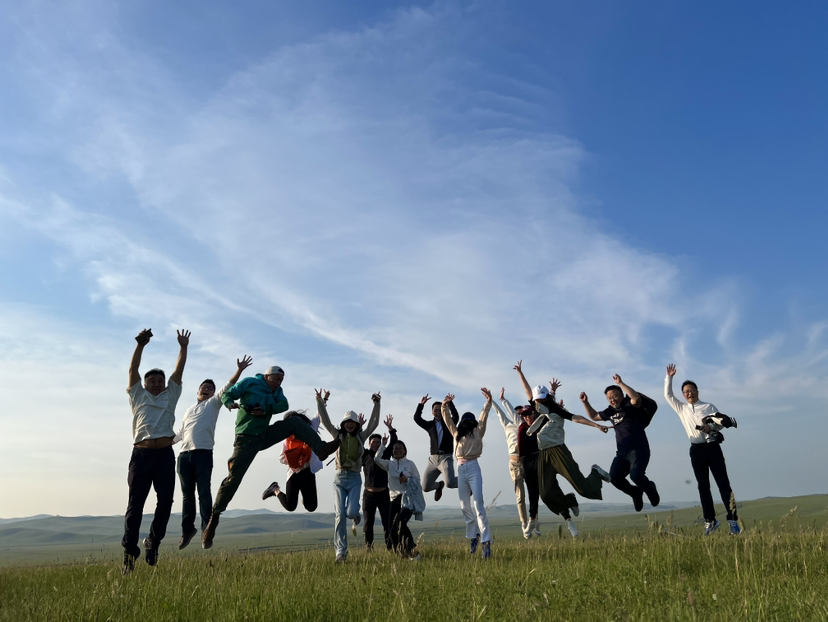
column 195, row 460
column 152, row 464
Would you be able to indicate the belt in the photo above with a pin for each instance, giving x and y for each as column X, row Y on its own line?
column 155, row 443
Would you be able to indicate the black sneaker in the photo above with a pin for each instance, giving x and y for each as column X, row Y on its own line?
column 638, row 500
column 271, row 491
column 128, row 565
column 185, row 539
column 210, row 531
column 150, row 552
column 653, row 495
column 439, row 492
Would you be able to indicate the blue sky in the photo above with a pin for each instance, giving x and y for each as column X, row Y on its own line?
column 409, row 198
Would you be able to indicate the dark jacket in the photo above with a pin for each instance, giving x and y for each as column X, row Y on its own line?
column 375, row 477
column 429, row 426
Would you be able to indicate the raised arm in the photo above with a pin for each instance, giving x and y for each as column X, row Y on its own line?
column 241, row 365
column 635, row 398
column 389, row 423
column 526, row 387
column 382, row 462
column 142, row 340
column 484, row 414
column 448, row 421
column 505, row 420
column 183, row 343
column 322, row 410
column 374, row 420
column 675, row 404
column 590, row 411
column 418, row 414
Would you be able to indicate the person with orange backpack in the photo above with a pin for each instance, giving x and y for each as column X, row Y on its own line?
column 302, row 465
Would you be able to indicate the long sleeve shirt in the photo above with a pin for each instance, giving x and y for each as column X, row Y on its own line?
column 691, row 415
column 441, row 441
column 470, row 447
column 315, row 464
column 395, row 468
column 198, row 428
column 361, row 434
column 508, row 419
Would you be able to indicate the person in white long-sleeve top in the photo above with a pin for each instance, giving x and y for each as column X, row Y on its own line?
column 401, row 471
column 511, row 426
column 702, row 422
column 195, row 460
column 468, row 446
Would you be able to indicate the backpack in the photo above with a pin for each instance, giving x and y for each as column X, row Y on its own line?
column 297, row 453
column 648, row 408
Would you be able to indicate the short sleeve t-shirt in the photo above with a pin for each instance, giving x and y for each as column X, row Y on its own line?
column 629, row 423
column 153, row 415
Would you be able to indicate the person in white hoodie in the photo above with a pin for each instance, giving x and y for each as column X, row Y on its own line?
column 468, row 447
column 510, row 420
column 195, row 460
column 348, row 478
column 702, row 422
column 401, row 473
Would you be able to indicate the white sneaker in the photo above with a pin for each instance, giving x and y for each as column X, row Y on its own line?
column 527, row 530
column 572, row 528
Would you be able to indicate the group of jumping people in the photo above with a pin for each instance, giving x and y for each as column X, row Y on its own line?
column 392, row 484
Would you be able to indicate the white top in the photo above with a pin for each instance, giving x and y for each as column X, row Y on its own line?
column 153, row 415
column 396, row 468
column 315, row 463
column 691, row 415
column 509, row 422
column 198, row 428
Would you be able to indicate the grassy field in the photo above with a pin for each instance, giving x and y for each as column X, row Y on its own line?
column 659, row 567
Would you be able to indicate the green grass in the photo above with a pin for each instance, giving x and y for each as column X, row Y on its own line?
column 657, row 570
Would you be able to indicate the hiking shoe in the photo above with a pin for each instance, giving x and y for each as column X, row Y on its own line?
column 573, row 529
column 438, row 494
column 536, row 526
column 271, row 491
column 487, row 549
column 638, row 500
column 210, row 531
column 185, row 539
column 604, row 475
column 653, row 495
column 128, row 565
column 735, row 530
column 473, row 544
column 150, row 552
column 328, row 449
column 576, row 509
column 711, row 526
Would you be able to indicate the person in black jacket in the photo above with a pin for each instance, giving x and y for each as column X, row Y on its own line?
column 375, row 495
column 441, row 459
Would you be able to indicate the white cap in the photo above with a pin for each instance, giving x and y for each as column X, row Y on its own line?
column 274, row 369
column 540, row 392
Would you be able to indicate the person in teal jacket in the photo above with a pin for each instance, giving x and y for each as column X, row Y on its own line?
column 257, row 399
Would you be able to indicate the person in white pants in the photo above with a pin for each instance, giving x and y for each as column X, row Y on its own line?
column 468, row 446
column 511, row 422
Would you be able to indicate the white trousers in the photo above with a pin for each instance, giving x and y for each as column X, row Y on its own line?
column 470, row 491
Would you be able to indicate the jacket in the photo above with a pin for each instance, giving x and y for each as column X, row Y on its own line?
column 470, row 447
column 252, row 392
column 447, row 447
column 359, row 436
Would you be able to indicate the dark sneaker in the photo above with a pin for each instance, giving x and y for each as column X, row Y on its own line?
column 575, row 510
column 128, row 565
column 185, row 539
column 271, row 491
column 711, row 526
column 210, row 531
column 150, row 552
column 735, row 530
column 487, row 549
column 653, row 495
column 439, row 492
column 473, row 544
column 604, row 475
column 328, row 449
column 638, row 500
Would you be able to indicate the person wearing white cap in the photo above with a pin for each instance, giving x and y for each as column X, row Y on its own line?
column 350, row 436
column 259, row 398
column 555, row 457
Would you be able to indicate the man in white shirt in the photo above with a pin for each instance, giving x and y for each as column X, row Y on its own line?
column 152, row 464
column 511, row 426
column 706, row 455
column 195, row 461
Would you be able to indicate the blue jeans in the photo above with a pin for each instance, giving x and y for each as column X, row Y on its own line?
column 347, row 485
column 195, row 469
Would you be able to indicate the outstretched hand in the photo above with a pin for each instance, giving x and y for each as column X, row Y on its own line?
column 517, row 367
column 502, row 393
column 448, row 398
column 144, row 336
column 671, row 370
column 617, row 379
column 583, row 397
column 486, row 393
column 424, row 399
column 389, row 422
column 244, row 363
column 376, row 397
column 361, row 419
column 183, row 338
column 384, row 440
column 554, row 385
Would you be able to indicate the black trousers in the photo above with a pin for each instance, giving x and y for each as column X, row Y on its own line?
column 530, row 478
column 305, row 482
column 401, row 538
column 633, row 463
column 371, row 502
column 148, row 468
column 195, row 470
column 707, row 458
